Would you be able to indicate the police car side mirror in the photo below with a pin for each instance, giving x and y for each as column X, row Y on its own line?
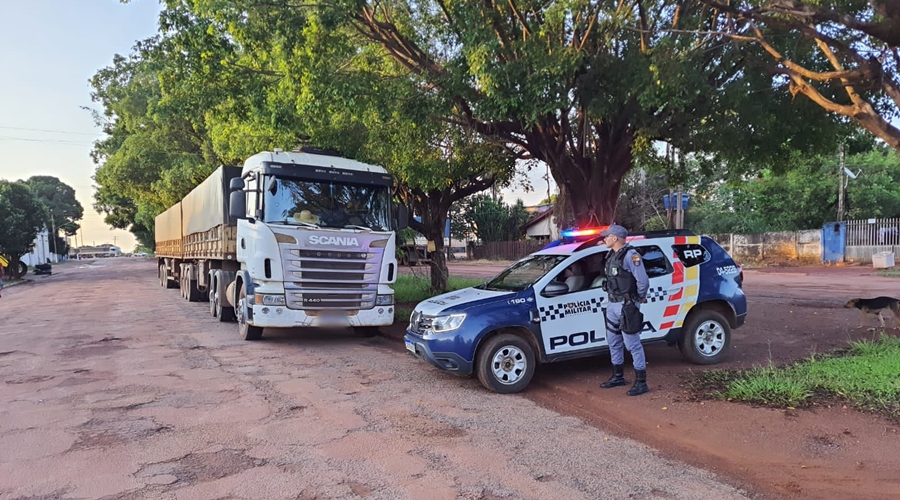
column 555, row 289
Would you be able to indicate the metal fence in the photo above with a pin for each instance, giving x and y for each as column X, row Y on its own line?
column 870, row 237
column 873, row 232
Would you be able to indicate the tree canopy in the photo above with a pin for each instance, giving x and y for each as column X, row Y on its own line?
column 63, row 210
column 841, row 55
column 23, row 219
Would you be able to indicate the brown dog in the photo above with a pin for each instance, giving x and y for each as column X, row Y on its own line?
column 875, row 307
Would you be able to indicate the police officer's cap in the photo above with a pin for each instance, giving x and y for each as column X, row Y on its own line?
column 615, row 230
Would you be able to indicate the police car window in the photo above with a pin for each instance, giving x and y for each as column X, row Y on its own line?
column 524, row 273
column 692, row 255
column 655, row 261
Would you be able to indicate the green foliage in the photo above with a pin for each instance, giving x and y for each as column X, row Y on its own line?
column 414, row 289
column 64, row 210
column 23, row 218
column 493, row 220
column 867, row 375
column 804, row 197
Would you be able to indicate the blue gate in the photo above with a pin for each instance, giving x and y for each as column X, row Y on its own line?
column 834, row 240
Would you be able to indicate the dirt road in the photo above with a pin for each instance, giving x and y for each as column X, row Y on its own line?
column 111, row 387
column 829, row 452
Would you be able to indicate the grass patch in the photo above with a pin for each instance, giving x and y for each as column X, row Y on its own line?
column 866, row 376
column 415, row 289
column 889, row 273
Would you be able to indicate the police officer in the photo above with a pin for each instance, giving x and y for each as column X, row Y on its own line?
column 626, row 279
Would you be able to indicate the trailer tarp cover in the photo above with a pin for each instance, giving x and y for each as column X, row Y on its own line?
column 207, row 205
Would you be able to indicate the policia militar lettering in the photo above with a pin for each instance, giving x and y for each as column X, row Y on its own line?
column 626, row 285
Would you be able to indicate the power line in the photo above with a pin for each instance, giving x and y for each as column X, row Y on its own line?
column 56, row 141
column 47, row 130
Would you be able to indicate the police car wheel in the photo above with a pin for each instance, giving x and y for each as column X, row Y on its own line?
column 505, row 364
column 706, row 338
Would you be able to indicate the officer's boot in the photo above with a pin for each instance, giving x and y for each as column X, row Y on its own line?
column 640, row 383
column 617, row 379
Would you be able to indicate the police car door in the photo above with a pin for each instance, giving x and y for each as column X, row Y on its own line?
column 573, row 321
column 659, row 270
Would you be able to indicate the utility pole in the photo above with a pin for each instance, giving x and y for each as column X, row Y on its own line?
column 840, row 214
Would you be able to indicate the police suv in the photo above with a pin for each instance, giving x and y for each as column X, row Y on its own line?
column 550, row 307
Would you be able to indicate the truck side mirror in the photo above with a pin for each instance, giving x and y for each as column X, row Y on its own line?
column 236, row 184
column 237, row 203
column 402, row 217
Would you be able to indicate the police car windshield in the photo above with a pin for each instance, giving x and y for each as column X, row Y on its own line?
column 524, row 273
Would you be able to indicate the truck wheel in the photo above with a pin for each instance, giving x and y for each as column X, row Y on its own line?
column 213, row 310
column 22, row 270
column 706, row 338
column 505, row 364
column 192, row 293
column 365, row 331
column 225, row 314
column 248, row 331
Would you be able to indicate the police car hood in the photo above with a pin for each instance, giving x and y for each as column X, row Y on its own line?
column 457, row 300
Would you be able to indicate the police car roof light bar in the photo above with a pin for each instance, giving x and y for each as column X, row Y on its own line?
column 591, row 231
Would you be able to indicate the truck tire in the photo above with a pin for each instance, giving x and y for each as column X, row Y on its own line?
column 225, row 314
column 247, row 331
column 706, row 338
column 213, row 310
column 505, row 363
column 191, row 292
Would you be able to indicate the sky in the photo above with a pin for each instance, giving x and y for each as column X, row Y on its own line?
column 49, row 50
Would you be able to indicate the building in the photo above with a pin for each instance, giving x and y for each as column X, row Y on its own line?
column 543, row 225
column 41, row 252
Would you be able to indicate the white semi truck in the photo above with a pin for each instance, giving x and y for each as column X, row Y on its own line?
column 291, row 239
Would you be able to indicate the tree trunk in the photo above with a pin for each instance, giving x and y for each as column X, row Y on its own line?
column 590, row 185
column 433, row 207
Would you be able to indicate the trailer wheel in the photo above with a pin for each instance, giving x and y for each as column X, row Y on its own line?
column 191, row 292
column 248, row 331
column 213, row 310
column 225, row 314
column 162, row 275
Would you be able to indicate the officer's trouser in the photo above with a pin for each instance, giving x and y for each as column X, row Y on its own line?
column 617, row 340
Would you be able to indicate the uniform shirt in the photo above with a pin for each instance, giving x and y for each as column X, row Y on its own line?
column 635, row 266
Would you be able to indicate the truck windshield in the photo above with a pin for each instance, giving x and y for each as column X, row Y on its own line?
column 524, row 273
column 327, row 204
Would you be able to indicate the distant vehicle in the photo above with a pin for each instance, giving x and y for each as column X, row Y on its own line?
column 141, row 254
column 302, row 238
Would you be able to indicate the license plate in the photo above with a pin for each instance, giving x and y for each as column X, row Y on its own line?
column 410, row 346
column 333, row 320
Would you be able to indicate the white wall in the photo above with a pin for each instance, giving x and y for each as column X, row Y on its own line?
column 41, row 251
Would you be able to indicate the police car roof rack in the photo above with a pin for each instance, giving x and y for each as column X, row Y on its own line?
column 663, row 233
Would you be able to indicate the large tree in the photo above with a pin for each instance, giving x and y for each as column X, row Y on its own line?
column 582, row 86
column 841, row 55
column 23, row 220
column 63, row 210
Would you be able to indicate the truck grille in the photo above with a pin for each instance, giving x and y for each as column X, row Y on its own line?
column 331, row 280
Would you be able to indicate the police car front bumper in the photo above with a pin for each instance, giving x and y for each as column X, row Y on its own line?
column 448, row 361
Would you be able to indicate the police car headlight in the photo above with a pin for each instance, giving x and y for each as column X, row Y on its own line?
column 447, row 322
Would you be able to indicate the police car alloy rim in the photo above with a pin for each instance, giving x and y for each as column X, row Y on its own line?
column 509, row 364
column 710, row 338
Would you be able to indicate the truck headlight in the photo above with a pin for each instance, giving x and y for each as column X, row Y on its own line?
column 384, row 300
column 447, row 322
column 270, row 300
